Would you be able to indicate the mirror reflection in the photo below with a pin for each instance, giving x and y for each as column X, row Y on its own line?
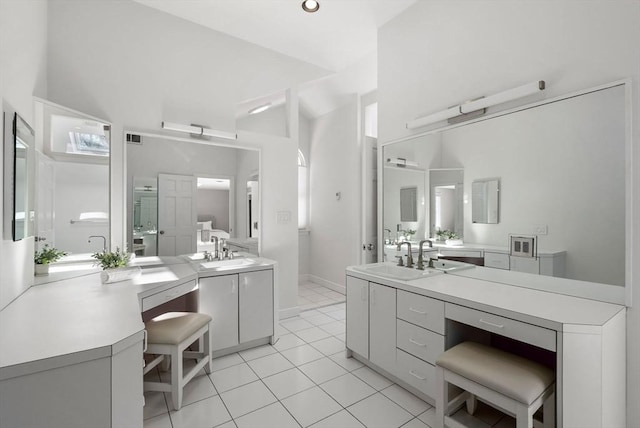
column 562, row 180
column 23, row 141
column 72, row 179
column 447, row 191
column 183, row 196
column 485, row 201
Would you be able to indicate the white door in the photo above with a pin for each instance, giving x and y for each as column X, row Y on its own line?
column 358, row 316
column 369, row 201
column 256, row 305
column 176, row 214
column 218, row 297
column 45, row 197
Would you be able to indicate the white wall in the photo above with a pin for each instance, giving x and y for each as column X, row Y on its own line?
column 438, row 54
column 23, row 52
column 335, row 167
column 214, row 203
column 91, row 182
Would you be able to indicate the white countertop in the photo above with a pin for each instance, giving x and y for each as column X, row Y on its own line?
column 70, row 316
column 439, row 245
column 544, row 308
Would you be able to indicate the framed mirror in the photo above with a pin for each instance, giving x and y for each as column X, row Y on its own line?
column 19, row 190
column 562, row 170
column 485, row 201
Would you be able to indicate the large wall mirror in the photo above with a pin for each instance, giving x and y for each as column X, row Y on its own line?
column 19, row 143
column 561, row 168
column 204, row 177
column 72, row 180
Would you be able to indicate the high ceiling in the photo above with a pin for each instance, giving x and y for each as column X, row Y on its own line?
column 338, row 35
column 341, row 38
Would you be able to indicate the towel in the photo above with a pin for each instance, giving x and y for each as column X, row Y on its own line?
column 120, row 274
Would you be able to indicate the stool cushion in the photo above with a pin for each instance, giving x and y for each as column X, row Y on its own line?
column 173, row 328
column 516, row 377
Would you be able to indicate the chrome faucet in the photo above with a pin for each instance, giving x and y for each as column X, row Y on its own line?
column 388, row 240
column 104, row 241
column 420, row 264
column 409, row 257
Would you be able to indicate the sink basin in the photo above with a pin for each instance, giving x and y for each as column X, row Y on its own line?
column 451, row 265
column 392, row 271
column 227, row 264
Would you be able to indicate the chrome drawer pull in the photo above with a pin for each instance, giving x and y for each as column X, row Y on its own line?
column 417, row 311
column 416, row 375
column 491, row 324
column 417, row 343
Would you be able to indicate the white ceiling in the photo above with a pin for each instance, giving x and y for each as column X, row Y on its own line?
column 338, row 35
column 341, row 37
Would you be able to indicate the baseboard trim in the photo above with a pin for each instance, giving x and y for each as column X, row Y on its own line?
column 326, row 283
column 289, row 312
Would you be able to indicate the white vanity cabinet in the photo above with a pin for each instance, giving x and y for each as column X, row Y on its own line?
column 371, row 312
column 241, row 305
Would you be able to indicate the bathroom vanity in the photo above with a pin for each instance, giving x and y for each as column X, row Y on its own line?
column 72, row 347
column 399, row 327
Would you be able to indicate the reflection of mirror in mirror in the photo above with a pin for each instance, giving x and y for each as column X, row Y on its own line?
column 409, row 204
column 22, row 195
column 562, row 177
column 73, row 180
column 485, row 201
column 253, row 202
column 447, row 192
column 145, row 216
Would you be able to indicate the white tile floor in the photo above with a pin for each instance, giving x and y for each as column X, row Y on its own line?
column 313, row 296
column 304, row 380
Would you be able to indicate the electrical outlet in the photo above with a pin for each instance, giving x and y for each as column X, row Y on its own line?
column 540, row 229
column 283, row 217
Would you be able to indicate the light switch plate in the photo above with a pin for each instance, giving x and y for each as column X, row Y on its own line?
column 283, row 217
column 540, row 229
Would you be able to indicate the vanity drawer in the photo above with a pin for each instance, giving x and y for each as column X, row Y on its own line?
column 419, row 342
column 528, row 333
column 461, row 253
column 420, row 310
column 496, row 260
column 416, row 372
column 168, row 294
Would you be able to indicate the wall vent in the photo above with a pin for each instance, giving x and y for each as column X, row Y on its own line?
column 134, row 139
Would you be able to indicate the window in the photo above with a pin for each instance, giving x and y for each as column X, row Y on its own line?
column 302, row 191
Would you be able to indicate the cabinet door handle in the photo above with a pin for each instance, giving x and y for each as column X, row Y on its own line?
column 416, row 375
column 416, row 342
column 417, row 311
column 491, row 324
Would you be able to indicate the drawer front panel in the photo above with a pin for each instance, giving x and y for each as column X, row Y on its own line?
column 454, row 253
column 416, row 372
column 167, row 295
column 421, row 310
column 528, row 333
column 419, row 342
column 496, row 260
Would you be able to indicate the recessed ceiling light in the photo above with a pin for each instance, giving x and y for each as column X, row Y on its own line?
column 310, row 6
column 259, row 109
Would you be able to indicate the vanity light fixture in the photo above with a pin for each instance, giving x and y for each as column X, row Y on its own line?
column 310, row 6
column 260, row 108
column 199, row 131
column 478, row 104
column 401, row 162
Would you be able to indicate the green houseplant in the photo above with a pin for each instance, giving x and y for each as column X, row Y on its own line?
column 44, row 257
column 112, row 259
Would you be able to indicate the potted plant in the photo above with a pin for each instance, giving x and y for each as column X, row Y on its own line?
column 44, row 257
column 114, row 265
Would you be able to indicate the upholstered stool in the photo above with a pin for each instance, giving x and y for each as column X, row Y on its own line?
column 170, row 335
column 508, row 382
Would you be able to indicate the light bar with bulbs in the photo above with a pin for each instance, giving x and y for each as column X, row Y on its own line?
column 199, row 131
column 479, row 104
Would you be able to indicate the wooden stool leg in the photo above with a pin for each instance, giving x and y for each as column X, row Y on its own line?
column 549, row 411
column 472, row 404
column 176, row 378
column 442, row 401
column 208, row 367
column 524, row 417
